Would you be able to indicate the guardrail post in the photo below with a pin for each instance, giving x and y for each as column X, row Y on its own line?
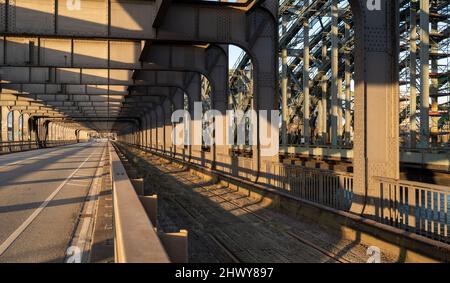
column 138, row 185
column 176, row 245
column 150, row 204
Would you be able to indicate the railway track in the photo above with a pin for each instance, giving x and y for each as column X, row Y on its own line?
column 224, row 195
column 268, row 222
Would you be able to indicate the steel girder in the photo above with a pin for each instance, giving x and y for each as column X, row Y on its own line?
column 211, row 61
column 376, row 140
column 254, row 30
column 253, row 27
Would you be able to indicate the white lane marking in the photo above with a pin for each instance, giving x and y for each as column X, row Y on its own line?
column 77, row 185
column 6, row 244
column 74, row 180
column 33, row 156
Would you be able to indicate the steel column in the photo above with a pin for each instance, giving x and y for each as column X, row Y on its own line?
column 348, row 78
column 306, row 98
column 376, row 139
column 424, row 72
column 334, row 72
column 284, row 95
column 413, row 75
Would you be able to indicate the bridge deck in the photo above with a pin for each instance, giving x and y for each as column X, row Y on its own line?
column 227, row 226
column 41, row 196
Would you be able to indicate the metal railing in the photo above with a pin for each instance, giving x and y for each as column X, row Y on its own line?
column 326, row 187
column 330, row 188
column 416, row 207
column 411, row 206
column 17, row 146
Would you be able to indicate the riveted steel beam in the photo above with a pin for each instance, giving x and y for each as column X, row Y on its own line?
column 376, row 126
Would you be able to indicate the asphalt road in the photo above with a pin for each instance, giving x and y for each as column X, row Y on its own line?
column 41, row 196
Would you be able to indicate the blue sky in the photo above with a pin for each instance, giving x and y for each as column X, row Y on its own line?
column 234, row 53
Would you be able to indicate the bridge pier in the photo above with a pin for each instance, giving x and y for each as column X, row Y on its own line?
column 376, row 140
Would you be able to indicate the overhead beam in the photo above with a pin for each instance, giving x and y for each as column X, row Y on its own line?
column 161, row 8
column 92, row 19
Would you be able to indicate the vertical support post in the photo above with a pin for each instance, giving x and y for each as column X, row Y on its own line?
column 306, row 98
column 4, row 123
column 148, row 132
column 334, row 72
column 154, row 128
column 33, row 130
column 424, row 72
column 324, row 86
column 220, row 153
column 413, row 75
column 319, row 122
column 160, row 127
column 195, row 131
column 266, row 64
column 434, row 86
column 16, row 136
column 376, row 135
column 284, row 85
column 178, row 103
column 25, row 127
column 136, row 135
column 348, row 78
column 143, row 129
column 339, row 112
column 54, row 129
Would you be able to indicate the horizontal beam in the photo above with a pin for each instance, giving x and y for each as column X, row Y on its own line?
column 70, row 99
column 69, row 53
column 80, row 88
column 85, row 19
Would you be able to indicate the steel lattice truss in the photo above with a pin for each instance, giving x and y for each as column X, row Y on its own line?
column 294, row 12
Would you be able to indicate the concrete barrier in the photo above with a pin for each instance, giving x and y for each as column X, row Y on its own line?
column 136, row 240
column 176, row 243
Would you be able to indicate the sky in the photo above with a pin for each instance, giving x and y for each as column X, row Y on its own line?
column 234, row 53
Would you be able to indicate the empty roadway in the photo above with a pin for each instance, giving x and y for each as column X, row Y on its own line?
column 41, row 195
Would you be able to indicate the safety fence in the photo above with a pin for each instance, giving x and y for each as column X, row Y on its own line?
column 419, row 208
column 17, row 146
column 416, row 207
column 326, row 187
